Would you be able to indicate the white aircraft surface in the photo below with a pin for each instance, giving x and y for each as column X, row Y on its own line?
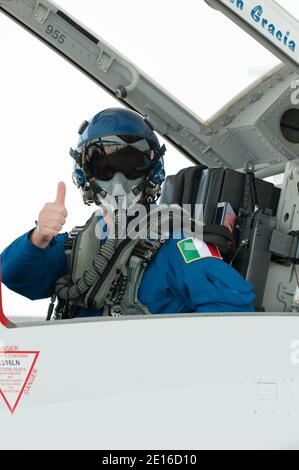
column 180, row 381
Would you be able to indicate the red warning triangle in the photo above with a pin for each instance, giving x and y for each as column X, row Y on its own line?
column 15, row 370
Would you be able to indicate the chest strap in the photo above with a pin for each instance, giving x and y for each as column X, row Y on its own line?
column 122, row 299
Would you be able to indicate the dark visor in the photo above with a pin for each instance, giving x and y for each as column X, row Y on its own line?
column 129, row 155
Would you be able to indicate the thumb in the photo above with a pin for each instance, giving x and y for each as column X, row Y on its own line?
column 61, row 192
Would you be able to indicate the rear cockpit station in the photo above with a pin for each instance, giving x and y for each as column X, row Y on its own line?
column 256, row 135
column 261, row 125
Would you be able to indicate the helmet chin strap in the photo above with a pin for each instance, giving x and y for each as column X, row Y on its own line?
column 118, row 193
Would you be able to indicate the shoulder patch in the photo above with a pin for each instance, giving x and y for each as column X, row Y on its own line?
column 193, row 249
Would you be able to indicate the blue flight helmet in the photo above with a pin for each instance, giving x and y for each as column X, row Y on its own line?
column 118, row 154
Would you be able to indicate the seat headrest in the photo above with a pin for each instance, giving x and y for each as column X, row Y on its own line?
column 182, row 188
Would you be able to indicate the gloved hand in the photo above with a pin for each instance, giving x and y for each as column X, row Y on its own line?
column 51, row 219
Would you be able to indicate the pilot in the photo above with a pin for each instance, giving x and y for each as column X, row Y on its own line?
column 88, row 272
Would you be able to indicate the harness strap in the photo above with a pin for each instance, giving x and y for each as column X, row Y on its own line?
column 126, row 302
column 69, row 244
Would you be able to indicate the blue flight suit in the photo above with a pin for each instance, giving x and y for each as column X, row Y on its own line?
column 169, row 283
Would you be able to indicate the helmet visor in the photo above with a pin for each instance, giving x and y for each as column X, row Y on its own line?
column 129, row 155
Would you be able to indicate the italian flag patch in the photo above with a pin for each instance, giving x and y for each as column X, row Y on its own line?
column 193, row 249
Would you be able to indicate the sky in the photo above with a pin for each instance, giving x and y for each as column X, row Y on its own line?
column 193, row 51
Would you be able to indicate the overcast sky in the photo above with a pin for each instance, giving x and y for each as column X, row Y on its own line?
column 191, row 50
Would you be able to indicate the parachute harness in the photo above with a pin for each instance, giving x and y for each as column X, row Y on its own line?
column 112, row 279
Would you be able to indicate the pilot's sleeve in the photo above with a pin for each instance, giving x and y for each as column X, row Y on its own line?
column 204, row 282
column 31, row 271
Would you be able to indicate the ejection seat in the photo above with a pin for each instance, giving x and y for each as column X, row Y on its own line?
column 238, row 202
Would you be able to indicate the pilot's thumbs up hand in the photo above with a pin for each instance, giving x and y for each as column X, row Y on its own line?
column 51, row 219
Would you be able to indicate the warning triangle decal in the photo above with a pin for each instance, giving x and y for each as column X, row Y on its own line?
column 15, row 370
